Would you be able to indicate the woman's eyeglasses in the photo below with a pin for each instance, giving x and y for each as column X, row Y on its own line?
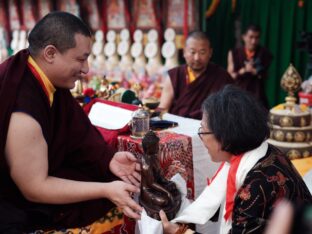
column 200, row 132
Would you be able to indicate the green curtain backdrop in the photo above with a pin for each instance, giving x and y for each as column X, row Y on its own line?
column 281, row 22
column 220, row 29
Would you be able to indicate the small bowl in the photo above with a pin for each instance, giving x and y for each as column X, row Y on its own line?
column 150, row 103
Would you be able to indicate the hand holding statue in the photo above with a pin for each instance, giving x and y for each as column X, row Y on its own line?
column 126, row 166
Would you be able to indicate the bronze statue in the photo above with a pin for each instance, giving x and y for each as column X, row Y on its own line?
column 157, row 193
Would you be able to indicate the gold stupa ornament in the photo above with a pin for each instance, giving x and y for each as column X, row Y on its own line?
column 291, row 83
column 290, row 123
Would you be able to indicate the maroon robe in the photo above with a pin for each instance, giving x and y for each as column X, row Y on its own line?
column 76, row 150
column 249, row 82
column 188, row 98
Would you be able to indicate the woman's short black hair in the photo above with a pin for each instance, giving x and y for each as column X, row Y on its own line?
column 237, row 120
column 58, row 29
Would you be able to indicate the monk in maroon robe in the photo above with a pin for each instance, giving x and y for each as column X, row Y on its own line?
column 56, row 171
column 248, row 65
column 189, row 85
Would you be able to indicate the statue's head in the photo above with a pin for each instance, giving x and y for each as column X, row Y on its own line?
column 150, row 143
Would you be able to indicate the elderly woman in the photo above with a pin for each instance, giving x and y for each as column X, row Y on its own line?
column 253, row 177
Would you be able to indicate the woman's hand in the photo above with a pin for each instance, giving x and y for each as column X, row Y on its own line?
column 119, row 193
column 126, row 166
column 169, row 228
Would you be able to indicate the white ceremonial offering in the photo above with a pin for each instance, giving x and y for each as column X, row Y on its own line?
column 98, row 51
column 97, row 48
column 3, row 47
column 125, row 35
column 138, row 55
column 98, row 63
column 22, row 40
column 99, row 36
column 110, row 49
column 151, row 50
column 123, row 48
column 169, row 52
column 111, row 53
column 126, row 59
column 154, row 65
column 14, row 42
column 111, row 36
column 152, row 35
column 169, row 34
column 138, row 35
column 109, row 117
column 137, row 49
column 91, row 59
column 168, row 49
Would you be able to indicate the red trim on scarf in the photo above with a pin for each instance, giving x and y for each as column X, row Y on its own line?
column 231, row 185
column 38, row 77
column 209, row 181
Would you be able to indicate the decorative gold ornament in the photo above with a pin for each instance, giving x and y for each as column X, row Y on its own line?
column 306, row 154
column 293, row 154
column 303, row 122
column 291, row 82
column 286, row 121
column 104, row 91
column 279, row 136
column 299, row 136
column 289, row 137
column 137, row 88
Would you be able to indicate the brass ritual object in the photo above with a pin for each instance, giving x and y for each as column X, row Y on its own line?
column 290, row 82
column 290, row 123
column 157, row 193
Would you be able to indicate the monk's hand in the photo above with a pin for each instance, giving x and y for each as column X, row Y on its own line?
column 249, row 67
column 120, row 194
column 127, row 167
column 169, row 228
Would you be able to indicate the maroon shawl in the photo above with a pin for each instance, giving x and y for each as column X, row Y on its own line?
column 188, row 98
column 76, row 150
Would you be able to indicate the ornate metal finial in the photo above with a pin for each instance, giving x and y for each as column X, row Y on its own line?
column 291, row 82
column 103, row 91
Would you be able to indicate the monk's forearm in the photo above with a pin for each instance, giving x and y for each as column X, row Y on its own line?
column 55, row 190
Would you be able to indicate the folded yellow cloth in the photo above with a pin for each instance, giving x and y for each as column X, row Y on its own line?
column 303, row 165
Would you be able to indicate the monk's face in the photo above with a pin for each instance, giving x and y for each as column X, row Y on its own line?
column 72, row 64
column 197, row 53
column 213, row 146
column 251, row 39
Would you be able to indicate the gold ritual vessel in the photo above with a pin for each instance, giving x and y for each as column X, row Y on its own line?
column 290, row 123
